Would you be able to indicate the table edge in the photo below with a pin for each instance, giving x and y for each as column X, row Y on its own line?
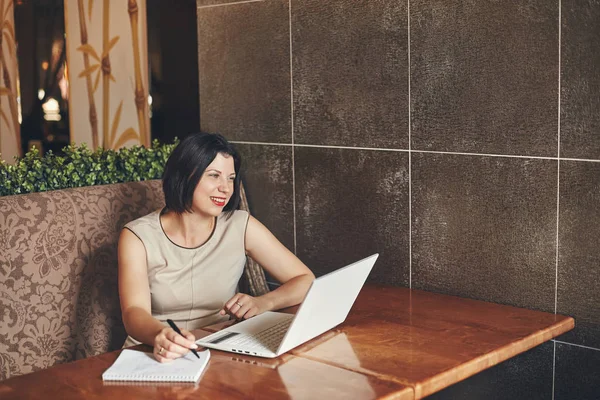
column 488, row 360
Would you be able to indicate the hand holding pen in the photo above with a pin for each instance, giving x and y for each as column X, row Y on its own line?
column 176, row 329
column 173, row 343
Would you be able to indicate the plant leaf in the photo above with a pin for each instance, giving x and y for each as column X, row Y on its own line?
column 110, row 45
column 112, row 78
column 80, row 166
column 88, row 49
column 128, row 134
column 97, row 82
column 88, row 71
column 115, row 124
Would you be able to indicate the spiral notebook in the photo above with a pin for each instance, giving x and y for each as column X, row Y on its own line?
column 134, row 365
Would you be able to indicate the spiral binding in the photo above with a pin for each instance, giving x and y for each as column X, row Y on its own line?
column 146, row 378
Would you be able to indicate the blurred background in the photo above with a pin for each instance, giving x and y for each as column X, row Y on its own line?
column 41, row 49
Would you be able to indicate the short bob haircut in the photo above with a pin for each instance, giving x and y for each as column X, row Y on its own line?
column 187, row 164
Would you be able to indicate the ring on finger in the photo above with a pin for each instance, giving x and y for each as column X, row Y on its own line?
column 161, row 351
column 238, row 304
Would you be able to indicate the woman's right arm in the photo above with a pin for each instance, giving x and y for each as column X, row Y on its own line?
column 134, row 294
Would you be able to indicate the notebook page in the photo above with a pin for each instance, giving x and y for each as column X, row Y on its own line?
column 134, row 365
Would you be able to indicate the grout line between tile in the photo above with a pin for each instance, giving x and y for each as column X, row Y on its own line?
column 576, row 345
column 261, row 143
column 415, row 151
column 483, row 154
column 579, row 159
column 557, row 193
column 553, row 367
column 409, row 157
column 558, row 163
column 557, row 236
column 230, row 3
column 559, row 70
column 292, row 129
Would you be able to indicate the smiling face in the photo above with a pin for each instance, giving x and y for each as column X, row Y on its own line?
column 215, row 187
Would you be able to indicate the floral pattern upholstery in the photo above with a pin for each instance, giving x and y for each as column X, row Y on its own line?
column 59, row 299
column 58, row 272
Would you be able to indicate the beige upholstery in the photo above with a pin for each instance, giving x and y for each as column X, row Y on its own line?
column 58, row 272
column 253, row 281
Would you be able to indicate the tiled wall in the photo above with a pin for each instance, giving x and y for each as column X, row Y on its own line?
column 460, row 139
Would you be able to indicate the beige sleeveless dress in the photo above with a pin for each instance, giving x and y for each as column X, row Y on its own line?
column 191, row 285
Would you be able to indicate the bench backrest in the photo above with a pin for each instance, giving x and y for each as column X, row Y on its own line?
column 58, row 272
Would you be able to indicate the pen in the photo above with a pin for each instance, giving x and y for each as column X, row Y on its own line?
column 176, row 329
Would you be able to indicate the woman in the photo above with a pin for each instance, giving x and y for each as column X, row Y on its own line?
column 184, row 262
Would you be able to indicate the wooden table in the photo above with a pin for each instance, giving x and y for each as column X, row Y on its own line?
column 430, row 341
column 396, row 343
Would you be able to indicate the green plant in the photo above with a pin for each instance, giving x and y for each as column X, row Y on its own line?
column 80, row 166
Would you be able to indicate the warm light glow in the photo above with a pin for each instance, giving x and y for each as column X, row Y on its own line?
column 52, row 117
column 41, row 94
column 51, row 105
column 51, row 110
column 63, row 85
column 44, row 65
column 19, row 108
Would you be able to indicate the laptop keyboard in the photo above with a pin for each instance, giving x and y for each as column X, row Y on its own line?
column 265, row 340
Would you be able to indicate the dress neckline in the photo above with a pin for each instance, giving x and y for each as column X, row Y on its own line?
column 212, row 233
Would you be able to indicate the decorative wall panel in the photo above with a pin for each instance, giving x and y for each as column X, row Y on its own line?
column 10, row 129
column 107, row 63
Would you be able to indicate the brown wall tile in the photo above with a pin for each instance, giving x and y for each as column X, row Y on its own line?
column 580, row 79
column 268, row 180
column 245, row 71
column 485, row 227
column 576, row 374
column 579, row 250
column 350, row 63
column 484, row 76
column 351, row 204
column 205, row 3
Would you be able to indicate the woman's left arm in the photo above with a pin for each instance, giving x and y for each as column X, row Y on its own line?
column 282, row 264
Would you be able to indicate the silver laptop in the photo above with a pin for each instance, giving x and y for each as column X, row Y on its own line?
column 326, row 305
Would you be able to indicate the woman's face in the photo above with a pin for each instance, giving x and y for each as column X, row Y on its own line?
column 215, row 187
